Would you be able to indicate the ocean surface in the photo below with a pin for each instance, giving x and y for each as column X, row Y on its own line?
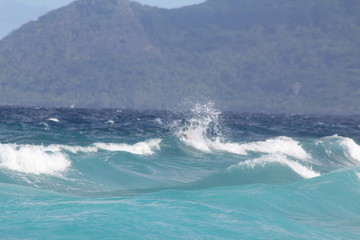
column 191, row 174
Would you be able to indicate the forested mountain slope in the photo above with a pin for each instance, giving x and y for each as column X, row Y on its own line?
column 246, row 55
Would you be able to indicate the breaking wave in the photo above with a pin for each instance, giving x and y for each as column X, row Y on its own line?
column 32, row 159
column 203, row 132
column 266, row 176
column 54, row 159
column 348, row 145
column 141, row 148
column 298, row 168
column 281, row 145
column 200, row 130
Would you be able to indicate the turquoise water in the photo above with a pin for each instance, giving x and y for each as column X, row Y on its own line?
column 199, row 174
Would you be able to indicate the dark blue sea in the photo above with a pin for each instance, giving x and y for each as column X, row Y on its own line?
column 198, row 173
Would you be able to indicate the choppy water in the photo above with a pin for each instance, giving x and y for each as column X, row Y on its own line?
column 200, row 174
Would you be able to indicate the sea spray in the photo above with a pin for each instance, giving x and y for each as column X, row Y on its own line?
column 203, row 131
column 201, row 127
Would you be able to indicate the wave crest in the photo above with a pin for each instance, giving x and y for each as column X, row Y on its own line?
column 341, row 151
column 141, row 148
column 281, row 145
column 202, row 131
column 53, row 159
column 351, row 148
column 301, row 170
column 32, row 159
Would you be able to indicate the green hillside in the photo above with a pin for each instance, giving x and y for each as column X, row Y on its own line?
column 246, row 55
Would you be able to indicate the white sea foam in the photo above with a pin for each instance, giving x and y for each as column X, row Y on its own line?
column 203, row 125
column 351, row 149
column 53, row 120
column 53, row 159
column 141, row 148
column 301, row 170
column 32, row 159
column 283, row 145
column 158, row 121
column 235, row 148
column 73, row 149
column 203, row 132
column 196, row 139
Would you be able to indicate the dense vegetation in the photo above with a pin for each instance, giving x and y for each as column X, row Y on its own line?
column 246, row 55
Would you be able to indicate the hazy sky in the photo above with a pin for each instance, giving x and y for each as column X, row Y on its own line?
column 14, row 13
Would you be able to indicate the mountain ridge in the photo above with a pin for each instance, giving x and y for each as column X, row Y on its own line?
column 262, row 56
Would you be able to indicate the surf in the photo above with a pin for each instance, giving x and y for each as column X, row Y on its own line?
column 247, row 175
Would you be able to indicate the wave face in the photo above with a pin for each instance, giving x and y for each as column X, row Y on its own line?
column 195, row 174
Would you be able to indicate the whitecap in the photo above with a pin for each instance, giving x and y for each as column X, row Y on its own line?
column 53, row 159
column 283, row 145
column 53, row 120
column 203, row 132
column 301, row 170
column 202, row 126
column 141, row 148
column 194, row 138
column 71, row 149
column 350, row 147
column 158, row 121
column 32, row 159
